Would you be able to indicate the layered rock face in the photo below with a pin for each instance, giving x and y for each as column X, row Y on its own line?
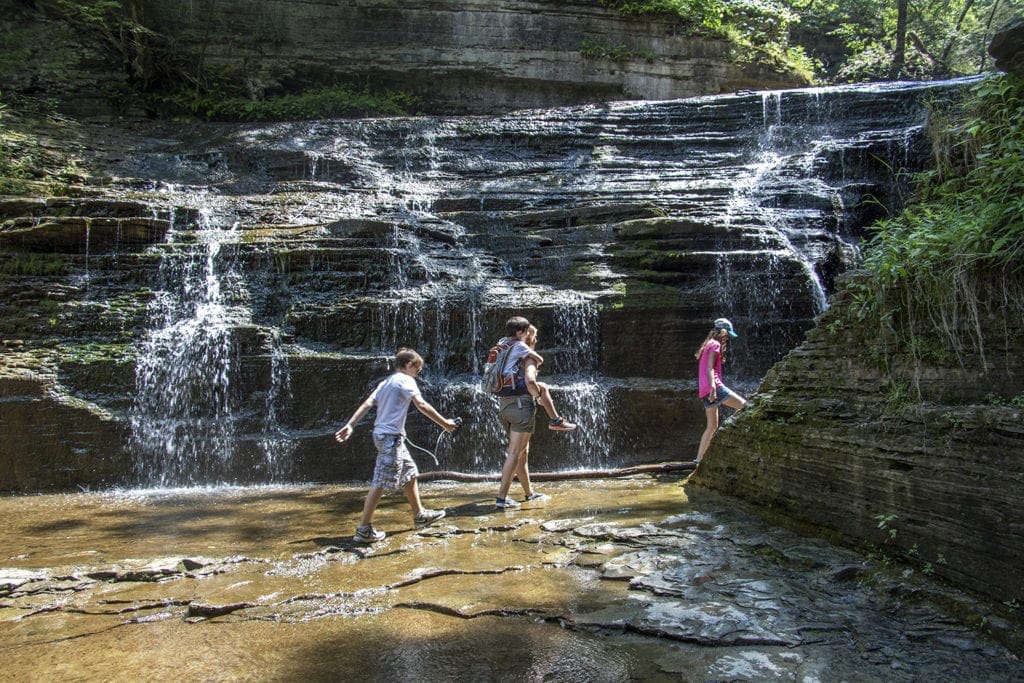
column 837, row 439
column 222, row 302
column 1006, row 49
column 454, row 57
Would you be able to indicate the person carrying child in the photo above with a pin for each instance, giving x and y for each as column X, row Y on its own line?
column 395, row 469
column 517, row 408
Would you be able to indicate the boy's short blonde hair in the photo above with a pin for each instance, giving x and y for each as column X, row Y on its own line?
column 406, row 356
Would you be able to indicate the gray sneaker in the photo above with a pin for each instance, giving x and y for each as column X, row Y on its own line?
column 537, row 498
column 428, row 517
column 506, row 504
column 367, row 534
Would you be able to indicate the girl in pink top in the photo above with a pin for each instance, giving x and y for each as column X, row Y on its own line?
column 711, row 390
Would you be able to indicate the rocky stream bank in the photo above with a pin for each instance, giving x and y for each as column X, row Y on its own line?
column 630, row 579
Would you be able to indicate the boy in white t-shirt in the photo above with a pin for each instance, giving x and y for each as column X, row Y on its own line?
column 395, row 469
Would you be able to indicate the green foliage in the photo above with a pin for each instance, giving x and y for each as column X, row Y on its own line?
column 885, row 523
column 898, row 397
column 19, row 264
column 954, row 257
column 707, row 13
column 15, row 51
column 27, row 166
column 95, row 14
column 336, row 101
column 856, row 38
column 1015, row 402
column 759, row 29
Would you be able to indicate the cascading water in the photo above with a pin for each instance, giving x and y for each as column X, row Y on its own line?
column 581, row 394
column 435, row 302
column 185, row 421
column 620, row 229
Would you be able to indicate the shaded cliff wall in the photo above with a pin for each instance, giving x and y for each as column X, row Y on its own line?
column 475, row 56
column 470, row 56
column 836, row 439
column 622, row 229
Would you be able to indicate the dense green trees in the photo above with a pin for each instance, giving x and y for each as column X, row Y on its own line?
column 854, row 40
column 859, row 40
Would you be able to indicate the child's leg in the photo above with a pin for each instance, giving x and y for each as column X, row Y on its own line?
column 555, row 421
column 735, row 401
column 546, row 401
column 523, row 471
column 370, row 505
column 711, row 414
column 412, row 494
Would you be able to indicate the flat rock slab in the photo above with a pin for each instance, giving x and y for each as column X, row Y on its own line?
column 267, row 582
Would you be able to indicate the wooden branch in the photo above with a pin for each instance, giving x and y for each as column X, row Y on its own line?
column 656, row 468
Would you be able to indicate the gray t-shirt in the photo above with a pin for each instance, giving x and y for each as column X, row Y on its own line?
column 392, row 398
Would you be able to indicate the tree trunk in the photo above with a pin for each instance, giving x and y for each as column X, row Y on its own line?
column 988, row 32
column 899, row 53
column 956, row 31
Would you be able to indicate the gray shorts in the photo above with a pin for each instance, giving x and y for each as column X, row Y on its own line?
column 395, row 467
column 518, row 413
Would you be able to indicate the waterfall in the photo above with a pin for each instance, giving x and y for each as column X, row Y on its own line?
column 580, row 393
column 620, row 229
column 185, row 420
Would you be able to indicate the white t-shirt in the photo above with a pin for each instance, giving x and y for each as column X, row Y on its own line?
column 519, row 351
column 392, row 398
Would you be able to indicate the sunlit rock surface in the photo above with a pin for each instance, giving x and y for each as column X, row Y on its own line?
column 610, row 581
column 217, row 299
column 935, row 478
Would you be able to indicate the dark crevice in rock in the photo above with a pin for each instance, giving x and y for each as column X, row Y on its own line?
column 452, row 612
column 452, row 572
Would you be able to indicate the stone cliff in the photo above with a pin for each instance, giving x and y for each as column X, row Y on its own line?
column 217, row 292
column 838, row 440
column 473, row 56
column 913, row 449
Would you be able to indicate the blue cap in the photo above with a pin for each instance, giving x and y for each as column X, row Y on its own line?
column 724, row 324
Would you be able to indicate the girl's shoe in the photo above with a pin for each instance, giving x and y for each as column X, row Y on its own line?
column 367, row 534
column 560, row 424
column 537, row 498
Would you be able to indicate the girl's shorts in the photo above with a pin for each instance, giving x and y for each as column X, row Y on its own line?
column 723, row 392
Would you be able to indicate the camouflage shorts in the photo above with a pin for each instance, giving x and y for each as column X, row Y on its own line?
column 395, row 467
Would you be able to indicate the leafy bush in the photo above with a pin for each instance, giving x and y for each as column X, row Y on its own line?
column 336, row 101
column 760, row 28
column 955, row 258
column 707, row 13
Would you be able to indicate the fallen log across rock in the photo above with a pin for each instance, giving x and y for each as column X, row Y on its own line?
column 654, row 468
